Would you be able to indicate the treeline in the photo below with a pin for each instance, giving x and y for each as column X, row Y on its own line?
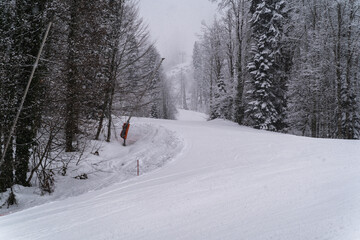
column 97, row 61
column 290, row 66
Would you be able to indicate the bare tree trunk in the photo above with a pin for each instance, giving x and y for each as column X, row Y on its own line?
column 349, row 67
column 183, row 91
column 240, row 17
column 102, row 116
column 313, row 125
column 72, row 102
column 338, row 72
column 110, row 113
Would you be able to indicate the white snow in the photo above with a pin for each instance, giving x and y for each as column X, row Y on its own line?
column 185, row 115
column 152, row 145
column 221, row 181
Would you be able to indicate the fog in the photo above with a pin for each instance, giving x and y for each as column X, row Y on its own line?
column 174, row 25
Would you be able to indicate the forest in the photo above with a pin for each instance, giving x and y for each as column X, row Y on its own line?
column 97, row 63
column 290, row 66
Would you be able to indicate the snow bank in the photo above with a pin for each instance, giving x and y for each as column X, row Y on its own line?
column 151, row 144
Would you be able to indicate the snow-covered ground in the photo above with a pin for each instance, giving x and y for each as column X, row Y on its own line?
column 216, row 180
column 152, row 145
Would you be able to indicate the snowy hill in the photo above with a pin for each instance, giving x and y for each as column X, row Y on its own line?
column 217, row 181
column 176, row 70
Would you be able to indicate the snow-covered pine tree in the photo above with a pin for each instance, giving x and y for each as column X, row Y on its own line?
column 85, row 37
column 29, row 30
column 201, row 89
column 347, row 47
column 7, row 92
column 204, row 55
column 236, row 26
column 217, row 60
column 211, row 68
column 323, row 85
column 195, row 103
column 267, row 32
column 309, row 85
column 168, row 109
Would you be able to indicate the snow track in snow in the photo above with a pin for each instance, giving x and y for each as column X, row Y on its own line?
column 224, row 182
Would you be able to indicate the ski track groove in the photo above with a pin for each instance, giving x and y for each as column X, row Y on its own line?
column 221, row 181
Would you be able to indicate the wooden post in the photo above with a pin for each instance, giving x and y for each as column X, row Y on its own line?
column 138, row 166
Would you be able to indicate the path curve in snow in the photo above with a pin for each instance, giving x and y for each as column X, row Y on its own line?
column 228, row 182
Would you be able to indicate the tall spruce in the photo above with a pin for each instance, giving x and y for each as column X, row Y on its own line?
column 30, row 22
column 7, row 92
column 265, row 108
column 323, row 84
column 236, row 26
column 345, row 45
column 85, row 39
column 22, row 30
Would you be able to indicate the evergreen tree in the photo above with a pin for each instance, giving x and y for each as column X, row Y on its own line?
column 83, row 65
column 267, row 31
column 23, row 26
column 30, row 22
column 7, row 92
column 323, row 81
column 346, row 48
column 196, row 96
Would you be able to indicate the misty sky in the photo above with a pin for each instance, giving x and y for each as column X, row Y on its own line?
column 174, row 24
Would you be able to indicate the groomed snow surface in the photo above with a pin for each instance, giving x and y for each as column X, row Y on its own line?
column 201, row 180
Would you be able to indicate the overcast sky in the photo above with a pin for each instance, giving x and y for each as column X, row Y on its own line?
column 174, row 24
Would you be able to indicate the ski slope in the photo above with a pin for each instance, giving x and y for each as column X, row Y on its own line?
column 223, row 181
